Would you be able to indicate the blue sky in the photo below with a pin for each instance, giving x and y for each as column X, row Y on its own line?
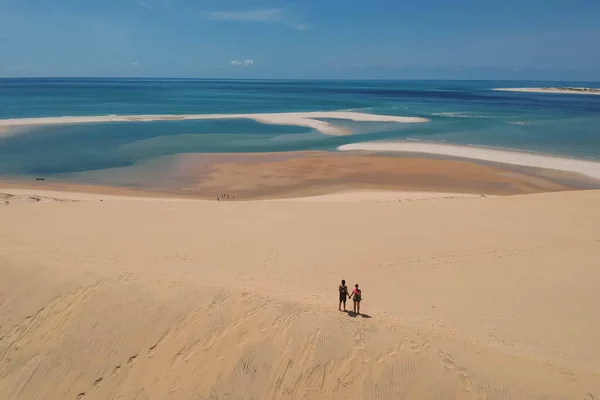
column 429, row 39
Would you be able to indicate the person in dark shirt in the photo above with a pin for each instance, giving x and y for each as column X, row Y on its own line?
column 343, row 295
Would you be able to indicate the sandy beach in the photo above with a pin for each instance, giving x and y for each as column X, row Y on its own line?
column 253, row 176
column 306, row 119
column 465, row 297
column 573, row 90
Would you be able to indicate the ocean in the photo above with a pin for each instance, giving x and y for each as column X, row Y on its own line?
column 460, row 112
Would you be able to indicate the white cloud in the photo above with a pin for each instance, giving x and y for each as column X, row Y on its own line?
column 135, row 63
column 242, row 63
column 265, row 15
column 11, row 67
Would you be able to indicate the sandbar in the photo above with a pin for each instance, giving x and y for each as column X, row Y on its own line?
column 306, row 119
column 588, row 168
column 554, row 90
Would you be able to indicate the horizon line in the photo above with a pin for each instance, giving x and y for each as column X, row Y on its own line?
column 292, row 79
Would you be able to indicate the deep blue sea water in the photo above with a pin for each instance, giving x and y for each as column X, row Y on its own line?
column 461, row 112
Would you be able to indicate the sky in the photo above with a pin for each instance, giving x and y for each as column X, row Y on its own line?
column 305, row 39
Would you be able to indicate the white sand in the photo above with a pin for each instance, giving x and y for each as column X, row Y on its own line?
column 588, row 168
column 380, row 196
column 551, row 90
column 306, row 119
column 469, row 298
column 49, row 196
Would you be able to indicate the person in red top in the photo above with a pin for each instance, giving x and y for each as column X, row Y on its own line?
column 357, row 297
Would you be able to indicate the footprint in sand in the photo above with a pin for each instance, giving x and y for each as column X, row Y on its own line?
column 115, row 371
column 246, row 297
column 588, row 396
column 80, row 396
column 175, row 385
column 242, row 339
column 193, row 349
column 359, row 339
column 151, row 350
column 465, row 381
column 131, row 360
column 176, row 360
column 97, row 383
column 481, row 395
column 446, row 360
column 414, row 346
column 403, row 344
column 275, row 323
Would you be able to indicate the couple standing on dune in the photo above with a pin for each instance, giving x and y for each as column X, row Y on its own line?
column 356, row 296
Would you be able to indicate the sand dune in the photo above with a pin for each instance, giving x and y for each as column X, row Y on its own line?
column 588, row 168
column 465, row 298
column 380, row 196
column 307, row 119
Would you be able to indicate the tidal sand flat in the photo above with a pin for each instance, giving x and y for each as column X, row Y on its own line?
column 306, row 119
column 583, row 167
column 250, row 176
column 464, row 297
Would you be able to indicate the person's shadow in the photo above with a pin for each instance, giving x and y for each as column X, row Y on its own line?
column 354, row 315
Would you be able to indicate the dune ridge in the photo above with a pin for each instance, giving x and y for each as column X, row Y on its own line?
column 464, row 297
column 307, row 119
column 526, row 159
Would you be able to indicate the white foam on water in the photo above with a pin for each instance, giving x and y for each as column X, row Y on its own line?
column 463, row 115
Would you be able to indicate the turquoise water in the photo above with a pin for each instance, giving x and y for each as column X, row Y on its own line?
column 461, row 112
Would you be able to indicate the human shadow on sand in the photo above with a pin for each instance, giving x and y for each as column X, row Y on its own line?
column 354, row 315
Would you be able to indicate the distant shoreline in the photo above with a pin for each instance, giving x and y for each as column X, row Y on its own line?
column 555, row 90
